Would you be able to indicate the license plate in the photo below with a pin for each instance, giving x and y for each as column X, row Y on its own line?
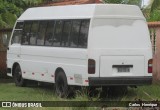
column 123, row 69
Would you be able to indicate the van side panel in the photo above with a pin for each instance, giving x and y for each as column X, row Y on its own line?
column 36, row 61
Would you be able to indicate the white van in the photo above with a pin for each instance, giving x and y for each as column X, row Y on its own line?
column 83, row 45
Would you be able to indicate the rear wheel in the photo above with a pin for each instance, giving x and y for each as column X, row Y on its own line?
column 61, row 85
column 17, row 75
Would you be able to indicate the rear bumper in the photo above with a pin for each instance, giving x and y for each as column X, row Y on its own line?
column 113, row 81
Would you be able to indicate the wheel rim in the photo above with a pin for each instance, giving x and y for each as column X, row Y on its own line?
column 18, row 74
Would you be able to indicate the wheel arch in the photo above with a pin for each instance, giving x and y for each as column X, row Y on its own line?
column 58, row 70
column 13, row 67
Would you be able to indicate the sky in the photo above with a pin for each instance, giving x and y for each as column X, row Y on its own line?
column 146, row 2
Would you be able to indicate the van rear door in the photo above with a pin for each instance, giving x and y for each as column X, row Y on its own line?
column 112, row 66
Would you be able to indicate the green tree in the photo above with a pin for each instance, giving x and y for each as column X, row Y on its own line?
column 10, row 10
column 152, row 11
column 154, row 16
column 31, row 3
column 18, row 3
column 132, row 2
column 155, row 5
column 9, row 19
column 8, row 14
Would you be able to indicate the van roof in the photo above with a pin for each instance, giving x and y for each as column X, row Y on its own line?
column 83, row 11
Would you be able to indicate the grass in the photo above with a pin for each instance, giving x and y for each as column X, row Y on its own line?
column 9, row 92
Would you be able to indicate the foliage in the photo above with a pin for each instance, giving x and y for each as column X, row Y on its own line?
column 30, row 3
column 18, row 3
column 155, row 5
column 8, row 13
column 154, row 15
column 132, row 2
column 9, row 92
column 2, row 23
column 10, row 10
column 8, row 19
column 153, row 10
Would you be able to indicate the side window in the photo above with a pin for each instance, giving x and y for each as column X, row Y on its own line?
column 49, row 33
column 82, row 41
column 17, row 34
column 66, row 33
column 75, row 33
column 34, row 33
column 58, row 33
column 41, row 33
column 16, row 39
column 19, row 25
column 26, row 31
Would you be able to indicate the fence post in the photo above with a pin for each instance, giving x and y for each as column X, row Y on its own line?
column 155, row 39
column 3, row 53
column 158, row 51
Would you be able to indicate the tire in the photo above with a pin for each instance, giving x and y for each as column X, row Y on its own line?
column 17, row 75
column 61, row 85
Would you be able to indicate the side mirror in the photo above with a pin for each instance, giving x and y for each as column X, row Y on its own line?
column 4, row 40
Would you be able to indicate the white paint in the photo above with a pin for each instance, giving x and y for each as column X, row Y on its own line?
column 81, row 11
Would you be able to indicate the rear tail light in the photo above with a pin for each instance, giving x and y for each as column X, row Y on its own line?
column 150, row 65
column 91, row 66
